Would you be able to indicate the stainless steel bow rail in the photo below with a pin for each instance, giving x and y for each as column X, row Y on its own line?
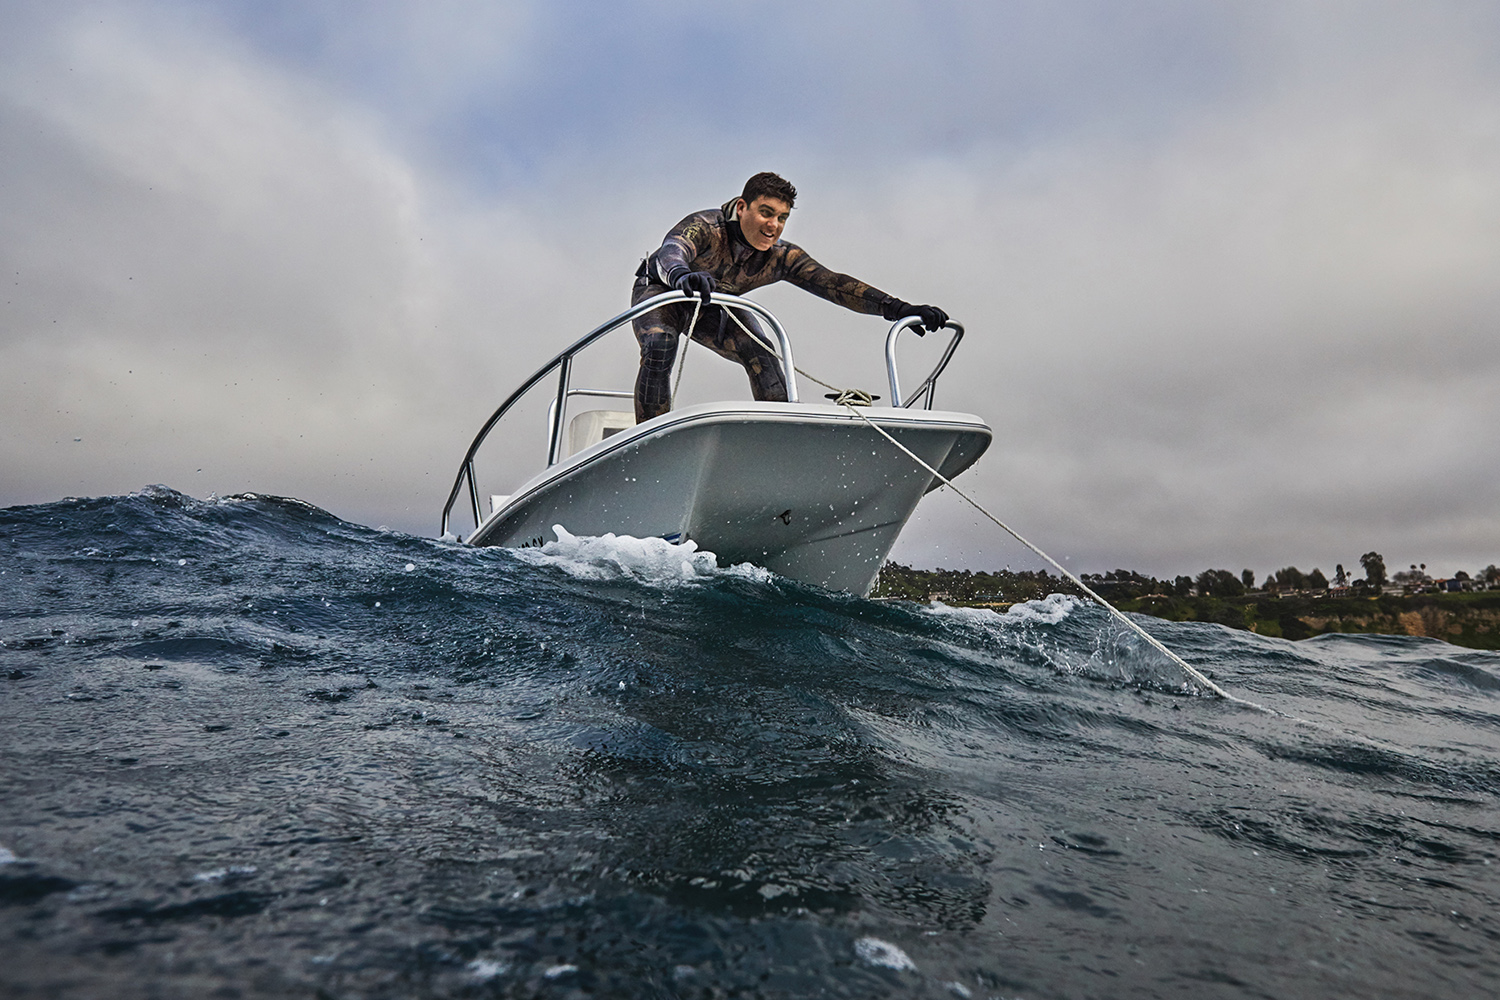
column 563, row 365
column 929, row 385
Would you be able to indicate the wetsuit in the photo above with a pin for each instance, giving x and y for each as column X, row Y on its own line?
column 712, row 241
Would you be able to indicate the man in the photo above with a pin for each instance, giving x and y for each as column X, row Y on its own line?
column 733, row 249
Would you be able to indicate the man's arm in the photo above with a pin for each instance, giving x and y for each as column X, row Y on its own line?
column 687, row 240
column 851, row 293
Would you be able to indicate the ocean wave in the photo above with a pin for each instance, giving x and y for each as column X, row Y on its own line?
column 611, row 764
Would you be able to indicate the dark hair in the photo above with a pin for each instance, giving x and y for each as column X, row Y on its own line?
column 768, row 185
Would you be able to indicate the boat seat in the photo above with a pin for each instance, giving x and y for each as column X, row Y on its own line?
column 592, row 426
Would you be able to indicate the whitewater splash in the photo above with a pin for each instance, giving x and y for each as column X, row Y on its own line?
column 653, row 561
column 1050, row 610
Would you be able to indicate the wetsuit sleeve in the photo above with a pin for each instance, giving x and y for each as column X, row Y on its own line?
column 851, row 293
column 687, row 240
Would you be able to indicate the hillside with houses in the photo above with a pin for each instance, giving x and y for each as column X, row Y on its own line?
column 1463, row 609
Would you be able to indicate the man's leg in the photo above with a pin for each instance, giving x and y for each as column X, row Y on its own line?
column 653, row 383
column 657, row 332
column 726, row 339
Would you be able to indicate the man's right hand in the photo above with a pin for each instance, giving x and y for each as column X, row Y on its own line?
column 696, row 283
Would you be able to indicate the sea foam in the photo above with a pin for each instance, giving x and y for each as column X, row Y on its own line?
column 649, row 560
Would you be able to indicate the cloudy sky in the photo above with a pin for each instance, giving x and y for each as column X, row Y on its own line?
column 1228, row 268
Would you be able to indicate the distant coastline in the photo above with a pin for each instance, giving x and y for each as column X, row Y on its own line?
column 1465, row 617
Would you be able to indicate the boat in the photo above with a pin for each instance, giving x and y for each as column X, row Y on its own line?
column 813, row 491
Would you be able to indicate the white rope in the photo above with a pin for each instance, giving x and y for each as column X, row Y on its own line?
column 776, row 354
column 852, row 404
column 682, row 360
column 1187, row 667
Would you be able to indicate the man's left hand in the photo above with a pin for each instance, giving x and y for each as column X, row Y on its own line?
column 932, row 317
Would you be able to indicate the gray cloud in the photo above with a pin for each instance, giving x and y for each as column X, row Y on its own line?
column 1227, row 275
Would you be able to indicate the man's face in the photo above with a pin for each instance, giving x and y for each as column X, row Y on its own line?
column 763, row 220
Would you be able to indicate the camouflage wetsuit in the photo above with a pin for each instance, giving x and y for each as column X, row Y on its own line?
column 712, row 241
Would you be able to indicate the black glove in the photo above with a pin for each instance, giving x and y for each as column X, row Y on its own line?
column 696, row 283
column 932, row 317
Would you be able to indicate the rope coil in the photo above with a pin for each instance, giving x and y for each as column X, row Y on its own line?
column 853, row 397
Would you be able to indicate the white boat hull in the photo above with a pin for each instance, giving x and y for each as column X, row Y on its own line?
column 809, row 491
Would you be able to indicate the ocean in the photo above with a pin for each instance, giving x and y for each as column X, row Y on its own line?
column 251, row 750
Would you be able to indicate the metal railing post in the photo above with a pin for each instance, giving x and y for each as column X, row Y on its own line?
column 473, row 491
column 564, row 376
column 929, row 384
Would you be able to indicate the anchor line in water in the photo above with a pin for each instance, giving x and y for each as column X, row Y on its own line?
column 846, row 397
column 1188, row 668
